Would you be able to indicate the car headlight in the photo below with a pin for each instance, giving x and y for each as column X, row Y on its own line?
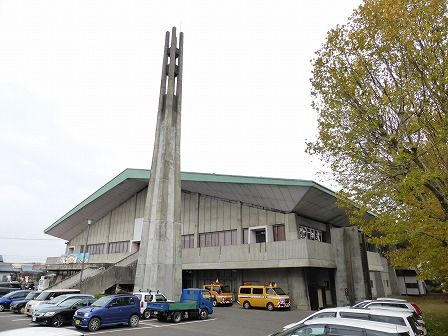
column 49, row 313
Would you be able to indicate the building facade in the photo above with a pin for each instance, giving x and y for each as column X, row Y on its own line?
column 236, row 229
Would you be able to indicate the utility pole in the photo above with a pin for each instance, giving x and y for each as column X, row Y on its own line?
column 89, row 222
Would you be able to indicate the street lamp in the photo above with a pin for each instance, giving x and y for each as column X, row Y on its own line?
column 89, row 222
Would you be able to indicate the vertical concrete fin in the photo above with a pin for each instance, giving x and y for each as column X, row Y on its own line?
column 159, row 264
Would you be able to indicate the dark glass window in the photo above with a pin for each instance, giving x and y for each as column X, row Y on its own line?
column 118, row 247
column 217, row 238
column 257, row 291
column 245, row 290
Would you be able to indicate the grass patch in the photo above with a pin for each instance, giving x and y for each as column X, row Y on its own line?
column 435, row 313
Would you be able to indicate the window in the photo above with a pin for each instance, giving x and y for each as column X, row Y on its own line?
column 358, row 316
column 279, row 232
column 314, row 330
column 388, row 319
column 323, row 315
column 310, row 233
column 94, row 248
column 260, row 236
column 245, row 290
column 160, row 298
column 118, row 247
column 345, row 331
column 257, row 291
column 245, row 236
column 188, row 241
column 217, row 238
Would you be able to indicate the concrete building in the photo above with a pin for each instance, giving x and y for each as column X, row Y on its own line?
column 235, row 229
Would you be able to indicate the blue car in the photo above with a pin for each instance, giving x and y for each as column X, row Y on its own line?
column 5, row 300
column 109, row 310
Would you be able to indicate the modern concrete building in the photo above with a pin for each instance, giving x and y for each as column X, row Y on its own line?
column 235, row 229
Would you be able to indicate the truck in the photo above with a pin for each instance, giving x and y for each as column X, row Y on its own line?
column 221, row 293
column 194, row 303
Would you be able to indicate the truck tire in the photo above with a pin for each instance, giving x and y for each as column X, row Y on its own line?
column 94, row 324
column 176, row 317
column 270, row 306
column 2, row 308
column 161, row 317
column 133, row 321
column 215, row 303
column 246, row 305
column 146, row 314
column 203, row 314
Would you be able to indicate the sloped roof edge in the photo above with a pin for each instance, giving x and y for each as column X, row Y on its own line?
column 143, row 174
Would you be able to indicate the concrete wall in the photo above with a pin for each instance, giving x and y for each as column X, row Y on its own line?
column 294, row 253
column 379, row 275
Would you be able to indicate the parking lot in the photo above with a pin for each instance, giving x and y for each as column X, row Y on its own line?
column 224, row 321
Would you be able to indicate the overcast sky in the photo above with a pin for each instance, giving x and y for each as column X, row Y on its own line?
column 79, row 86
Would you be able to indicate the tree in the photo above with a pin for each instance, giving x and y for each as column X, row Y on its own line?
column 380, row 88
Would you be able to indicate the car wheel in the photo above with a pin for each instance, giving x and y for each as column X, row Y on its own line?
column 94, row 324
column 2, row 308
column 22, row 310
column 177, row 317
column 57, row 321
column 215, row 303
column 270, row 306
column 203, row 314
column 146, row 314
column 246, row 305
column 133, row 321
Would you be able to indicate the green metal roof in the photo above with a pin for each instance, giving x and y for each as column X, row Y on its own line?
column 143, row 175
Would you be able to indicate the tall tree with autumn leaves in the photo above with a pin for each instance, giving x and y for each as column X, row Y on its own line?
column 380, row 88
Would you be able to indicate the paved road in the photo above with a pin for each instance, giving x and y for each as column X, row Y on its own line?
column 224, row 321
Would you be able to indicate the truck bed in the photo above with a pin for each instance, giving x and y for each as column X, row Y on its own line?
column 172, row 306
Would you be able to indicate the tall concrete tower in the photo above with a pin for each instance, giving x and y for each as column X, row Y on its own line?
column 159, row 263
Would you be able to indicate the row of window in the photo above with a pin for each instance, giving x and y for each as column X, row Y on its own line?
column 228, row 237
column 113, row 247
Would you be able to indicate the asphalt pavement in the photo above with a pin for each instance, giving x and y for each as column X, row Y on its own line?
column 224, row 321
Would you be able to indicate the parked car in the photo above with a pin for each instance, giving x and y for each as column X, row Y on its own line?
column 145, row 298
column 40, row 332
column 46, row 296
column 7, row 299
column 19, row 306
column 61, row 298
column 394, row 303
column 385, row 316
column 269, row 296
column 7, row 287
column 337, row 326
column 57, row 315
column 109, row 310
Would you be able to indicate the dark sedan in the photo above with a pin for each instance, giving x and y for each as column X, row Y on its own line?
column 62, row 313
column 19, row 306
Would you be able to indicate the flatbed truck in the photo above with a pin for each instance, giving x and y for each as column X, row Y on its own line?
column 194, row 303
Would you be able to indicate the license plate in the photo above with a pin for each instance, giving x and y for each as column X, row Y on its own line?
column 77, row 322
column 34, row 318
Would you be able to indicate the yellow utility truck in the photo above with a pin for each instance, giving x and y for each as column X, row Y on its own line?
column 221, row 294
column 268, row 296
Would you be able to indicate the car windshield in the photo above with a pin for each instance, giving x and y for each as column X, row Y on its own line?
column 32, row 295
column 43, row 296
column 68, row 302
column 279, row 291
column 58, row 299
column 225, row 289
column 101, row 302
